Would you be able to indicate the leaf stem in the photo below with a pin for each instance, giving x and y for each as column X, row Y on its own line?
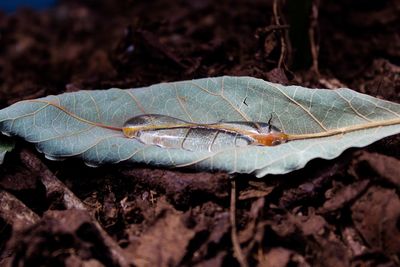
column 344, row 130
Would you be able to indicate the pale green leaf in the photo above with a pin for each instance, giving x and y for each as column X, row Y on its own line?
column 65, row 125
column 6, row 145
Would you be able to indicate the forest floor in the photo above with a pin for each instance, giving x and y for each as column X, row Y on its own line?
column 342, row 212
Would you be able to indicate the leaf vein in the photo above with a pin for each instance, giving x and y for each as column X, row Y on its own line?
column 351, row 106
column 298, row 104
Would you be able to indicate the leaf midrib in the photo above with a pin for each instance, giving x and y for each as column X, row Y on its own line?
column 344, row 130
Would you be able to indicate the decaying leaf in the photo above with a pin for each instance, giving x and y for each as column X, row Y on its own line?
column 320, row 123
column 375, row 216
column 166, row 231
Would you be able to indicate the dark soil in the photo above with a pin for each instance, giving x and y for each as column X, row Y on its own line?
column 343, row 212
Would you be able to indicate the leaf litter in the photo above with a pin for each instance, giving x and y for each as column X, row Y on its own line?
column 286, row 226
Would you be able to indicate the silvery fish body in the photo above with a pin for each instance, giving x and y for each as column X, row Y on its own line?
column 170, row 132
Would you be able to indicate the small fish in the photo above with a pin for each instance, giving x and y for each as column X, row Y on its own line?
column 170, row 132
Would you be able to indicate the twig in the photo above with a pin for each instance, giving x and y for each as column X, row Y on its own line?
column 71, row 201
column 314, row 46
column 14, row 213
column 10, row 205
column 235, row 240
column 276, row 12
column 52, row 184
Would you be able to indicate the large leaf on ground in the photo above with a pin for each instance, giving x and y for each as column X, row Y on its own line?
column 329, row 120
